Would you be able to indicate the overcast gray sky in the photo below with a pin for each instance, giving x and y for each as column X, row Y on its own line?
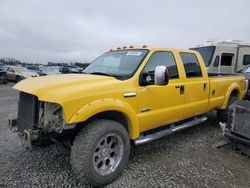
column 79, row 30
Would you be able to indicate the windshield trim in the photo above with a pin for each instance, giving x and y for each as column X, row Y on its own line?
column 132, row 73
column 211, row 58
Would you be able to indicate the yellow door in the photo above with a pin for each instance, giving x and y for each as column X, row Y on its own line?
column 159, row 105
column 196, row 87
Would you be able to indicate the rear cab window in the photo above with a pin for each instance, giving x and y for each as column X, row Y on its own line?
column 191, row 65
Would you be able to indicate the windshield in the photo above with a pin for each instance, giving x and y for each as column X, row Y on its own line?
column 47, row 69
column 206, row 53
column 21, row 69
column 56, row 68
column 72, row 69
column 120, row 64
column 245, row 70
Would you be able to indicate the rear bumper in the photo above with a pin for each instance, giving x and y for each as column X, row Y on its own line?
column 237, row 138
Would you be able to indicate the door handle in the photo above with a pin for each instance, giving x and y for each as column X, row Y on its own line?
column 182, row 89
column 204, row 86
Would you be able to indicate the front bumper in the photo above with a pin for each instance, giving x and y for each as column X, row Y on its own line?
column 37, row 137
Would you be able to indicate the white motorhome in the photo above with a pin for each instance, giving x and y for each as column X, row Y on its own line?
column 224, row 56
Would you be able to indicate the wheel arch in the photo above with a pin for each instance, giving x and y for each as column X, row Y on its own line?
column 234, row 90
column 113, row 109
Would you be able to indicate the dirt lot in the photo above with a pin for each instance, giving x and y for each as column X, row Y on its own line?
column 185, row 159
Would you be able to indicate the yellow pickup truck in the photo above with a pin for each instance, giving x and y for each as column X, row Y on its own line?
column 127, row 94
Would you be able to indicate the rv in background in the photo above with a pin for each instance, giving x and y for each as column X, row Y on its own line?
column 224, row 56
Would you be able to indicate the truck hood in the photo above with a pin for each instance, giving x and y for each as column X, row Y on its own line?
column 63, row 87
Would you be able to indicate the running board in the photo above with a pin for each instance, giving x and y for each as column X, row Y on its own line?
column 150, row 137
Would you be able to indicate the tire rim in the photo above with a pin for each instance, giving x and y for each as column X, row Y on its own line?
column 108, row 154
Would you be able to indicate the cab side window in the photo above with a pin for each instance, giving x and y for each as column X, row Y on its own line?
column 191, row 65
column 160, row 59
column 11, row 70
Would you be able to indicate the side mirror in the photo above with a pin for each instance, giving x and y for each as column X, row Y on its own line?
column 161, row 75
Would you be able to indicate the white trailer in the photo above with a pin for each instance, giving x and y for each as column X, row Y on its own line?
column 224, row 57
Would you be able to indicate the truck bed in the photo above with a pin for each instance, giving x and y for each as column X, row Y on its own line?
column 221, row 74
column 220, row 85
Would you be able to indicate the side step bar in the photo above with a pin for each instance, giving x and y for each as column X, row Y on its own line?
column 150, row 137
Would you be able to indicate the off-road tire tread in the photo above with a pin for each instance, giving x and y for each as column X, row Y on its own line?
column 83, row 145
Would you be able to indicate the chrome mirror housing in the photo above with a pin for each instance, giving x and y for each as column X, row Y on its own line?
column 161, row 75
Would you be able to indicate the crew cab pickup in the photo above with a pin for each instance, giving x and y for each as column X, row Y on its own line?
column 137, row 94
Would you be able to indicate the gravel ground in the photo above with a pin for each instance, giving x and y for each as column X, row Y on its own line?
column 184, row 159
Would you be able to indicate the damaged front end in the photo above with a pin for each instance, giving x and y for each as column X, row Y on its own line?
column 38, row 121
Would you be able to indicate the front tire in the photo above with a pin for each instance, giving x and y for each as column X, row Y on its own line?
column 100, row 152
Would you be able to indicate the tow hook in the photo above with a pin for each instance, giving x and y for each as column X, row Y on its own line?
column 28, row 137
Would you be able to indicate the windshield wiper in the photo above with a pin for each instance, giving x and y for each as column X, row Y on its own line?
column 101, row 73
column 104, row 74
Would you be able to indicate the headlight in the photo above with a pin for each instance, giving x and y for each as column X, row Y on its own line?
column 51, row 116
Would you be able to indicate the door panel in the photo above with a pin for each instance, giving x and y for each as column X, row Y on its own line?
column 11, row 73
column 160, row 105
column 196, row 96
column 196, row 85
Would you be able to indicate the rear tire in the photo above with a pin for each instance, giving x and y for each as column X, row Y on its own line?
column 224, row 115
column 100, row 152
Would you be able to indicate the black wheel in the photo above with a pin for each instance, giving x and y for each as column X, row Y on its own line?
column 5, row 81
column 18, row 78
column 100, row 152
column 224, row 115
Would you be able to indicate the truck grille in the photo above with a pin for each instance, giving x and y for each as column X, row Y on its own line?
column 27, row 111
column 241, row 122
